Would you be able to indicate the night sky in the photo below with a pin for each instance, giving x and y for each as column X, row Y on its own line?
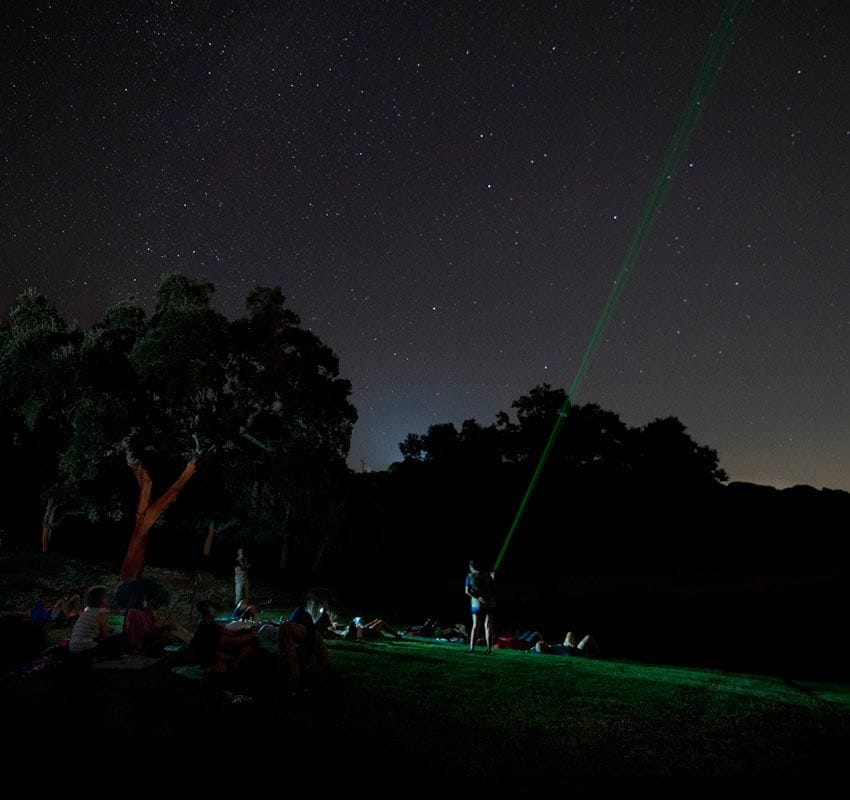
column 445, row 192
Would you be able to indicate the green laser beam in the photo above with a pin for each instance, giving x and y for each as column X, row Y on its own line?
column 730, row 21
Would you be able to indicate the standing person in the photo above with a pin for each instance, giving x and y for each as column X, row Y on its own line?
column 241, row 570
column 481, row 589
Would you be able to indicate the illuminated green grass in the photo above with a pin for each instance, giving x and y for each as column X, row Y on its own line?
column 433, row 715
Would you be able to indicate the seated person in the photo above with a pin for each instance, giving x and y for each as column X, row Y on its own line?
column 219, row 649
column 64, row 610
column 572, row 646
column 91, row 635
column 327, row 627
column 143, row 634
column 318, row 602
column 301, row 636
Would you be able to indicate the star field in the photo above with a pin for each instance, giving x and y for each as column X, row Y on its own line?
column 445, row 192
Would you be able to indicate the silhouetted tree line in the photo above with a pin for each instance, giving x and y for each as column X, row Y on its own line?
column 239, row 430
column 613, row 499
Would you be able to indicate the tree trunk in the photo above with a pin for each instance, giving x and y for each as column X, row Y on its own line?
column 147, row 513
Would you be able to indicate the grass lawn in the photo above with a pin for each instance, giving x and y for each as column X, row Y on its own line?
column 432, row 715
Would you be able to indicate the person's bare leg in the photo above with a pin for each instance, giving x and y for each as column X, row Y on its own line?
column 472, row 632
column 570, row 639
column 488, row 631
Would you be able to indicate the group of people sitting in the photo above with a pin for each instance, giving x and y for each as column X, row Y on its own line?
column 91, row 637
column 232, row 649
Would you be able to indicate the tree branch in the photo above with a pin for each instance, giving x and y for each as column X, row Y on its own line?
column 171, row 494
column 143, row 478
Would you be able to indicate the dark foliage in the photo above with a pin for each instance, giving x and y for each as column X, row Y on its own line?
column 156, row 594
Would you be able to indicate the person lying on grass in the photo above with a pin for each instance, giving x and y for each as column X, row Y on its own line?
column 572, row 646
column 64, row 611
